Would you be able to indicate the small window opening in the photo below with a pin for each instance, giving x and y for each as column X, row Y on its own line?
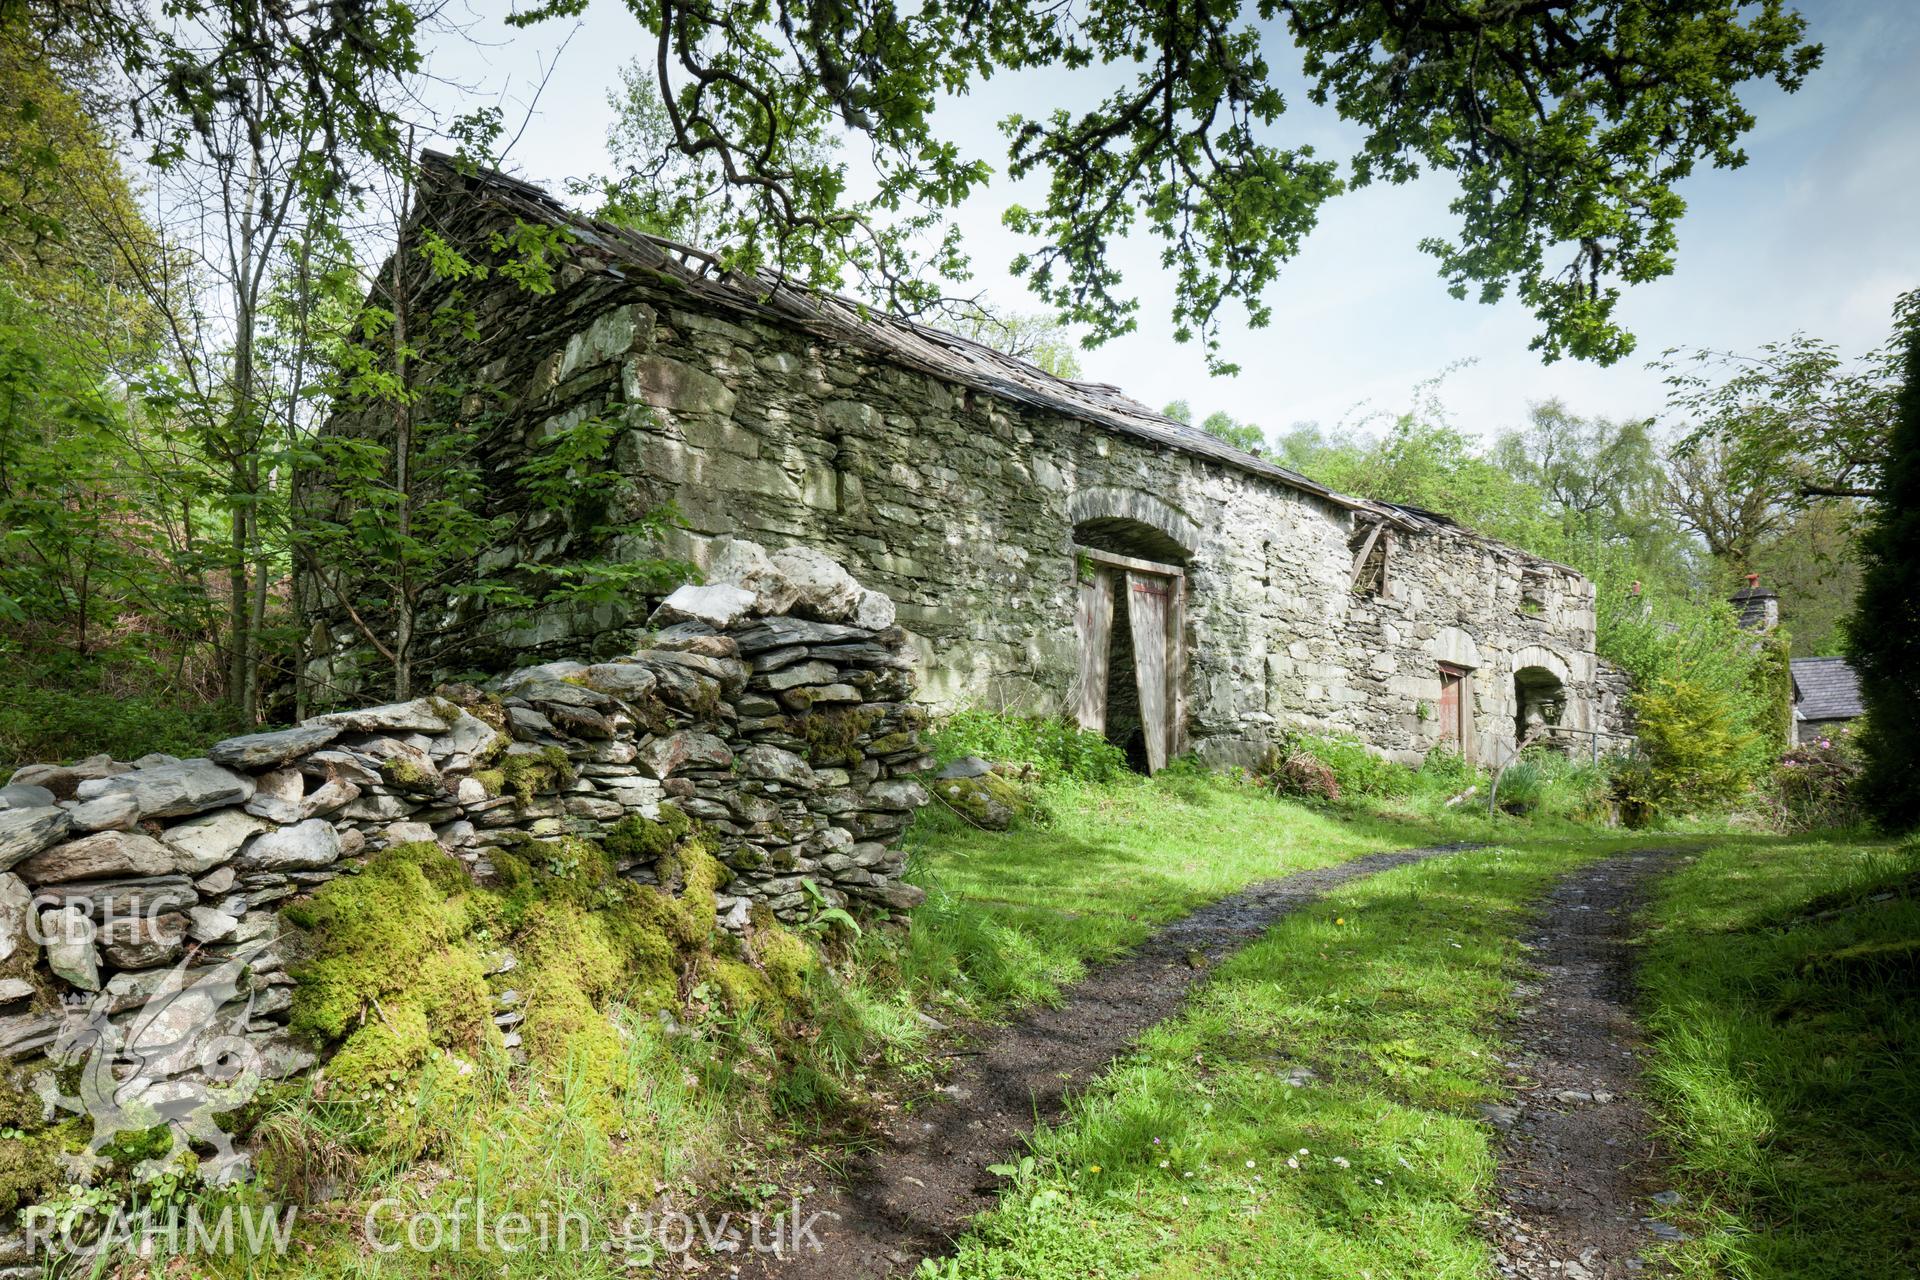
column 1535, row 593
column 1371, row 546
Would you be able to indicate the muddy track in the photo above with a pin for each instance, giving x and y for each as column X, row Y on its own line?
column 1579, row 1169
column 913, row 1193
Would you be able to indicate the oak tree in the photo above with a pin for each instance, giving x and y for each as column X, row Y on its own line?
column 1567, row 125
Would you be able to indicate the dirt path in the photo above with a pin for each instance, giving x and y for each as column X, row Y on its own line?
column 1579, row 1170
column 912, row 1194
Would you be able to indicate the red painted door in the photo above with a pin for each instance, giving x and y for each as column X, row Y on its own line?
column 1451, row 680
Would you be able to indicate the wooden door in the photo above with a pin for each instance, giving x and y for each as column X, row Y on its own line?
column 1149, row 608
column 1093, row 624
column 1456, row 708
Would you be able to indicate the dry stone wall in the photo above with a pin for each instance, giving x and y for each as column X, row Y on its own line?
column 773, row 710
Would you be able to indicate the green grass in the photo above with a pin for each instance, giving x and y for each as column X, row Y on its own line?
column 718, row 1114
column 1013, row 917
column 1198, row 1156
column 1782, row 988
column 61, row 710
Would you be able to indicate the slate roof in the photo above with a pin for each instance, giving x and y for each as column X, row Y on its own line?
column 618, row 251
column 775, row 298
column 1826, row 689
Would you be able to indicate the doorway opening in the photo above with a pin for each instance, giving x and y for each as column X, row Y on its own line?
column 1130, row 619
column 1456, row 709
column 1541, row 699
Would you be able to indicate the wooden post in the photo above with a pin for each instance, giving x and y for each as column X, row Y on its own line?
column 1177, row 666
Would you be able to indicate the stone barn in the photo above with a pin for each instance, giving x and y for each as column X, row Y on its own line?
column 1052, row 546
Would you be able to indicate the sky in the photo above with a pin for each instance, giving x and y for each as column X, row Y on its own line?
column 1819, row 232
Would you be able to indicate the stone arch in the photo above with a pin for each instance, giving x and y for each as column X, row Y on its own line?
column 1132, row 523
column 1540, row 689
column 1538, row 655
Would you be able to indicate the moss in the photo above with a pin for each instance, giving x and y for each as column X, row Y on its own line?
column 131, row 1146
column 393, row 1042
column 574, row 865
column 493, row 712
column 528, row 773
column 489, row 755
column 990, row 800
column 444, row 872
column 494, row 780
column 833, row 736
column 451, row 990
column 589, row 944
column 705, row 876
column 29, row 1168
column 19, row 1109
column 637, row 837
column 407, row 775
column 741, row 987
column 785, row 958
column 370, row 935
column 570, row 967
column 393, row 970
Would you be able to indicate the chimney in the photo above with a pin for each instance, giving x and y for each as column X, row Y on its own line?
column 1757, row 607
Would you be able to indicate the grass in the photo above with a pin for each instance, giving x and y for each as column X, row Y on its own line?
column 717, row 1116
column 723, row 1112
column 1012, row 918
column 1782, row 988
column 1209, row 1153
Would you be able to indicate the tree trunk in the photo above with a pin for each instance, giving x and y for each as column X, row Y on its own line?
column 404, row 602
column 240, row 655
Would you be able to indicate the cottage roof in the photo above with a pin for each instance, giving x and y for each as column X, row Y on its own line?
column 774, row 297
column 618, row 250
column 1826, row 689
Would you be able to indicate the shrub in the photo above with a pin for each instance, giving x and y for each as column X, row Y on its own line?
column 1816, row 783
column 1882, row 639
column 1053, row 747
column 65, row 711
column 1521, row 785
column 1550, row 784
column 1699, row 749
column 1357, row 770
column 1696, row 674
column 1445, row 769
column 1633, row 788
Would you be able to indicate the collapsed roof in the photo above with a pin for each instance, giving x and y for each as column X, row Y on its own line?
column 618, row 251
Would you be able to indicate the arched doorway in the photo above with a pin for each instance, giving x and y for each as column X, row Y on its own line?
column 1130, row 624
column 1540, row 697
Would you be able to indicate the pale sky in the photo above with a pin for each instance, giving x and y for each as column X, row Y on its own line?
column 1819, row 232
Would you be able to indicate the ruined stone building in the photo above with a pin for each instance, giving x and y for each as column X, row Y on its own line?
column 1052, row 546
